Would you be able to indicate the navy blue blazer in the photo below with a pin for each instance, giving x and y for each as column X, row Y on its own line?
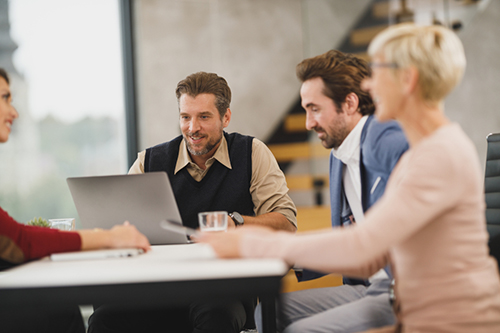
column 381, row 146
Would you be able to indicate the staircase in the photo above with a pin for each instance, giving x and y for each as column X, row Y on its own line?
column 300, row 154
column 305, row 161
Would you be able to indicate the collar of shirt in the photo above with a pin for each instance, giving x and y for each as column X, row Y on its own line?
column 348, row 151
column 221, row 155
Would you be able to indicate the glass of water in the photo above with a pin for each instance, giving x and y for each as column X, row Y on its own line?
column 213, row 221
column 62, row 224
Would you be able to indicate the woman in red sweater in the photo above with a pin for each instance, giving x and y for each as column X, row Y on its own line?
column 20, row 243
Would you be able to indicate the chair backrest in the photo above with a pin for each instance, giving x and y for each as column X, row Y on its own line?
column 492, row 193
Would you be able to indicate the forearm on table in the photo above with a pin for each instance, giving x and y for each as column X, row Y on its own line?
column 273, row 220
column 120, row 236
column 325, row 251
column 95, row 239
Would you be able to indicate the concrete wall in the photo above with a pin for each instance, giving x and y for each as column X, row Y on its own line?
column 475, row 103
column 254, row 44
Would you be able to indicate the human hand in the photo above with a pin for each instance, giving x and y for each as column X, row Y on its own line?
column 227, row 244
column 120, row 236
column 127, row 235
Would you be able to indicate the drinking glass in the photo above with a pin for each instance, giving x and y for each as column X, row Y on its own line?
column 213, row 221
column 62, row 224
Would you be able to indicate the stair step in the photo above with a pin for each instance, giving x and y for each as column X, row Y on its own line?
column 363, row 36
column 304, row 182
column 296, row 122
column 313, row 218
column 381, row 9
column 293, row 151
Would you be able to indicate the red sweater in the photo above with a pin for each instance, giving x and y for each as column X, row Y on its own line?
column 19, row 242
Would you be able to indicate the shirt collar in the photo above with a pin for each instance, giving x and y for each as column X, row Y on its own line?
column 221, row 155
column 348, row 151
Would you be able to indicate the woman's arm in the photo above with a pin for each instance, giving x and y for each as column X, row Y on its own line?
column 125, row 235
column 20, row 242
column 421, row 191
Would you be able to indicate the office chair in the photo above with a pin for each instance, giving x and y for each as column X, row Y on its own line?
column 492, row 193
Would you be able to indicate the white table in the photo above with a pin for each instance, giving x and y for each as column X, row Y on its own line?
column 167, row 275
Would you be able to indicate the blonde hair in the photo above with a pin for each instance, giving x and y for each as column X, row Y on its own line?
column 435, row 51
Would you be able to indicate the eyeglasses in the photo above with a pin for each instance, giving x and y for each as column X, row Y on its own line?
column 383, row 65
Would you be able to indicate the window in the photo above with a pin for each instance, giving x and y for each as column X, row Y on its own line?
column 67, row 85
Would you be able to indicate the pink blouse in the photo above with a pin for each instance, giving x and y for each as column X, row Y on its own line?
column 430, row 224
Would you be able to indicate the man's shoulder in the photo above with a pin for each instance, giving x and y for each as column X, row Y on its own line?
column 375, row 129
column 239, row 141
column 239, row 136
column 383, row 145
column 384, row 135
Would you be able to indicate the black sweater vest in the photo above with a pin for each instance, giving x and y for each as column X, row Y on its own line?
column 221, row 188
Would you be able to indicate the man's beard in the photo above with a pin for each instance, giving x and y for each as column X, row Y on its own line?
column 339, row 131
column 205, row 150
column 335, row 140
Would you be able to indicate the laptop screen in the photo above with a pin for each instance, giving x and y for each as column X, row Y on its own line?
column 142, row 199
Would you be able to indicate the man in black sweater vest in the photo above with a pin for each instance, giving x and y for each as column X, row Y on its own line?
column 210, row 170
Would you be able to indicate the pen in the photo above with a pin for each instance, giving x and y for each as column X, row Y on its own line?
column 176, row 227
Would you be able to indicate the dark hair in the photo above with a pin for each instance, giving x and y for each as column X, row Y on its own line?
column 206, row 83
column 341, row 74
column 4, row 75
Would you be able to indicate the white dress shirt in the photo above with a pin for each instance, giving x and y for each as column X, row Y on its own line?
column 348, row 152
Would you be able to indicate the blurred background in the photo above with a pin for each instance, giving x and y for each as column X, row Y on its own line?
column 94, row 82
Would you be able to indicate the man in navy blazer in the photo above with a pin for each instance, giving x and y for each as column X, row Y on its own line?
column 364, row 152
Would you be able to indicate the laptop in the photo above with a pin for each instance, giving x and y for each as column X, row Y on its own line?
column 143, row 199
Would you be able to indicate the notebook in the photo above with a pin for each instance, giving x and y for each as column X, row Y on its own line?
column 143, row 199
column 96, row 254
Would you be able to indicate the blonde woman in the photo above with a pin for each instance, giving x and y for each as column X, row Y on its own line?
column 430, row 223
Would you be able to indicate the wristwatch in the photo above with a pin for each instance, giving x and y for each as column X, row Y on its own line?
column 237, row 218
